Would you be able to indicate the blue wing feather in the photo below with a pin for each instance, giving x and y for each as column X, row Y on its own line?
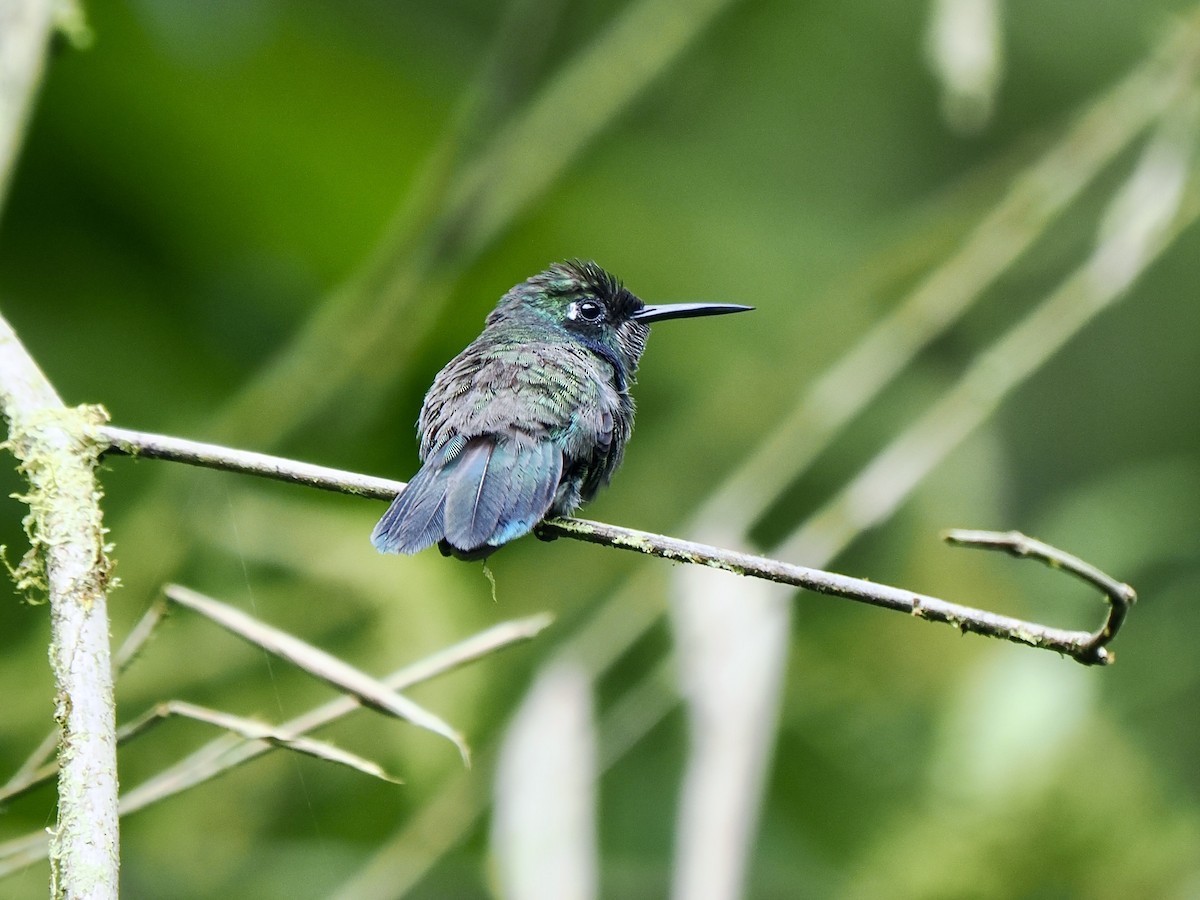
column 534, row 474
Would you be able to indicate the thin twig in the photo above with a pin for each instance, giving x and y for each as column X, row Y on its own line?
column 157, row 446
column 139, row 635
column 1120, row 595
column 251, row 730
column 1076, row 644
column 247, row 729
column 341, row 675
column 38, row 767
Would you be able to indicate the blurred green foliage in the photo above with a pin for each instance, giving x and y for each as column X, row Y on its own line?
column 206, row 177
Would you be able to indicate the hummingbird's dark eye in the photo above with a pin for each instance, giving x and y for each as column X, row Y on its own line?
column 590, row 310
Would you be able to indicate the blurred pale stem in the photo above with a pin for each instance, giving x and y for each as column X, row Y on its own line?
column 25, row 27
column 731, row 648
column 544, row 826
column 1144, row 218
column 965, row 51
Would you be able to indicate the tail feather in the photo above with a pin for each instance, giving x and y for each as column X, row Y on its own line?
column 414, row 521
column 489, row 493
column 478, row 487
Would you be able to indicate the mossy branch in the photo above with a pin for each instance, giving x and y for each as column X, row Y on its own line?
column 67, row 563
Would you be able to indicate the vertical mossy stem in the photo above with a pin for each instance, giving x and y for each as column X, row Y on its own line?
column 56, row 448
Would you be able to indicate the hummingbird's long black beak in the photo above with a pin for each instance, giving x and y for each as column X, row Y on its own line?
column 685, row 311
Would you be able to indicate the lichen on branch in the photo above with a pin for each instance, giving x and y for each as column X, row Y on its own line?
column 56, row 450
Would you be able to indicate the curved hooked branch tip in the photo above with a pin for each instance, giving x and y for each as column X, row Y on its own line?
column 1093, row 650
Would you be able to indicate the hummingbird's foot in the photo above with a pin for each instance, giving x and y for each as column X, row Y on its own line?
column 448, row 549
column 543, row 534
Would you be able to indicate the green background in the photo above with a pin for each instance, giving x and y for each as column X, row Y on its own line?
column 269, row 224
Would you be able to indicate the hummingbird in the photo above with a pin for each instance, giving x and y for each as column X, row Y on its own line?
column 531, row 419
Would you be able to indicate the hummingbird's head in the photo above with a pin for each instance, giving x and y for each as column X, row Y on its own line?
column 595, row 308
